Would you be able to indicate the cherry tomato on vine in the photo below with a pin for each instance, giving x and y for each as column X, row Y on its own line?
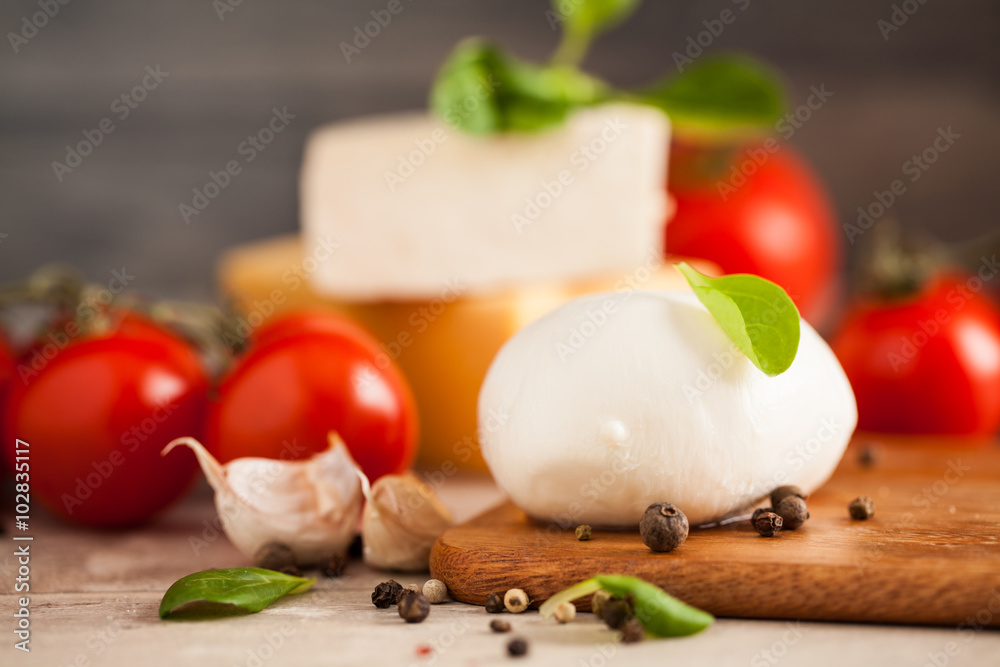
column 97, row 412
column 769, row 217
column 926, row 363
column 305, row 375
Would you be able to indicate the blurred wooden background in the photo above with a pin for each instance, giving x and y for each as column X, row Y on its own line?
column 119, row 208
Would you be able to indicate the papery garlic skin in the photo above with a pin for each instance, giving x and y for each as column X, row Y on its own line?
column 310, row 505
column 615, row 401
column 401, row 521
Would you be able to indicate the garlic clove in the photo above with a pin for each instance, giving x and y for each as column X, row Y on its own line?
column 402, row 519
column 310, row 505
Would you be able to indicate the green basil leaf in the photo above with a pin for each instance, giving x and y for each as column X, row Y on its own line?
column 227, row 592
column 757, row 315
column 481, row 90
column 582, row 20
column 659, row 612
column 721, row 94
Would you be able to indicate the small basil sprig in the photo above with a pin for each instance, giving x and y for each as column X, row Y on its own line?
column 720, row 94
column 482, row 90
column 582, row 21
column 243, row 590
column 661, row 614
column 757, row 315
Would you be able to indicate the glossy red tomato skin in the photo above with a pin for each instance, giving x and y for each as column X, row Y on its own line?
column 297, row 322
column 925, row 364
column 297, row 383
column 96, row 418
column 778, row 224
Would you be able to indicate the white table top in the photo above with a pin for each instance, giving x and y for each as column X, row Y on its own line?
column 94, row 600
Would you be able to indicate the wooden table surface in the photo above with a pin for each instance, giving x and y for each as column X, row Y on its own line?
column 94, row 599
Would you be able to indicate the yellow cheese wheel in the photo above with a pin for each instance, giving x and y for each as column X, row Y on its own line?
column 444, row 346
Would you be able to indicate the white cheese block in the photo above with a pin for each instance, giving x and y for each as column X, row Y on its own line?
column 414, row 207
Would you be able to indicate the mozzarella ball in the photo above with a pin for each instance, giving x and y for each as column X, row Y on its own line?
column 616, row 401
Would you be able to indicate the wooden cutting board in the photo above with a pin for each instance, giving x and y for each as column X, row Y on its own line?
column 931, row 554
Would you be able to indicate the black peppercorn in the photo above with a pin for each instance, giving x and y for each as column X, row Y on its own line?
column 598, row 601
column 517, row 647
column 783, row 492
column 291, row 570
column 497, row 625
column 274, row 556
column 334, row 566
column 494, row 603
column 632, row 631
column 413, row 606
column 793, row 512
column 615, row 612
column 757, row 512
column 768, row 524
column 861, row 508
column 583, row 532
column 867, row 457
column 386, row 593
column 663, row 527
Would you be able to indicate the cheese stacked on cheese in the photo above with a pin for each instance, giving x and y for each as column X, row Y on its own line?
column 444, row 245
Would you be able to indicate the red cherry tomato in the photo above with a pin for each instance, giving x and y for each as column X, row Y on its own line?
column 929, row 363
column 309, row 321
column 777, row 224
column 306, row 375
column 96, row 415
column 8, row 372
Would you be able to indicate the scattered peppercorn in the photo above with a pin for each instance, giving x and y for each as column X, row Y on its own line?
column 494, row 603
column 663, row 527
column 334, row 567
column 386, row 593
column 757, row 512
column 413, row 587
column 615, row 612
column 497, row 625
column 598, row 600
column 435, row 591
column 793, row 512
column 291, row 570
column 861, row 508
column 517, row 647
column 515, row 600
column 867, row 457
column 423, row 650
column 783, row 492
column 413, row 606
column 565, row 612
column 274, row 556
column 632, row 631
column 768, row 524
column 583, row 532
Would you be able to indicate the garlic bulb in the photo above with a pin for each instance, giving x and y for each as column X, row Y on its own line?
column 310, row 505
column 617, row 401
column 401, row 520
